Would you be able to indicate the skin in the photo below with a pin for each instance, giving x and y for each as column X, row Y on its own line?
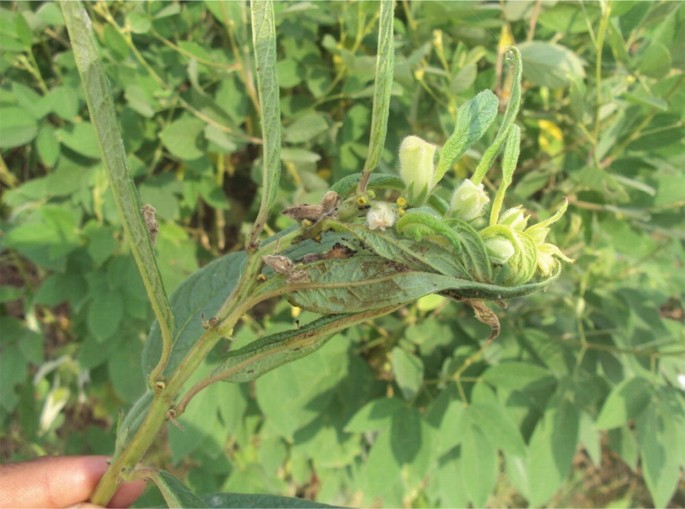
column 59, row 481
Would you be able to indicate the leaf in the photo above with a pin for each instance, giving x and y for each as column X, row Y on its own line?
column 513, row 58
column 105, row 314
column 80, row 138
column 305, row 128
column 509, row 161
column 17, row 128
column 297, row 393
column 264, row 43
column 175, row 493
column 497, row 426
column 657, row 432
column 128, row 427
column 550, row 65
column 250, row 500
column 182, row 138
column 622, row 441
column 382, row 88
column 480, row 465
column 551, row 450
column 419, row 255
column 473, row 120
column 374, row 415
column 263, row 355
column 408, row 370
column 202, row 293
column 516, row 375
column 625, row 401
column 363, row 283
column 124, row 370
column 655, row 61
column 406, row 435
column 106, row 124
column 462, row 238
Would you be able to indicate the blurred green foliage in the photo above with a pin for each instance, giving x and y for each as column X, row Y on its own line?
column 585, row 384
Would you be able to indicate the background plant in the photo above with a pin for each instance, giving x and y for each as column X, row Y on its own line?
column 602, row 123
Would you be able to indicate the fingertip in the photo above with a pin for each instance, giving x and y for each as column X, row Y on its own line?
column 127, row 493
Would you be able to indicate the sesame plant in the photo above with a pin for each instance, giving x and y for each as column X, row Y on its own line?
column 374, row 243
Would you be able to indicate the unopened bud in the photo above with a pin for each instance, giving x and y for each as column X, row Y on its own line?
column 499, row 249
column 416, row 168
column 514, row 218
column 469, row 200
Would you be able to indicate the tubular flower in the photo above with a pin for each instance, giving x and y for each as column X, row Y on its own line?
column 469, row 200
column 417, row 168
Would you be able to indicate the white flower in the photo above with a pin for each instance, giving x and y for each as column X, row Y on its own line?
column 681, row 381
column 417, row 168
column 469, row 200
column 499, row 249
column 380, row 216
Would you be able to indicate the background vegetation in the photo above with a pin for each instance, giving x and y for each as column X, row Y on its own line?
column 579, row 402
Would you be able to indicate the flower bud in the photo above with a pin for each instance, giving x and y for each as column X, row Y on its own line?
column 380, row 216
column 469, row 200
column 416, row 168
column 499, row 249
column 514, row 218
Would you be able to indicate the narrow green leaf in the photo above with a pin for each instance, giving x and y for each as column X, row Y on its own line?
column 473, row 120
column 264, row 42
column 104, row 119
column 514, row 59
column 509, row 161
column 175, row 493
column 385, row 65
column 131, row 422
column 261, row 356
column 625, row 401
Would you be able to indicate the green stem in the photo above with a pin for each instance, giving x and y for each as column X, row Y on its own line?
column 104, row 119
